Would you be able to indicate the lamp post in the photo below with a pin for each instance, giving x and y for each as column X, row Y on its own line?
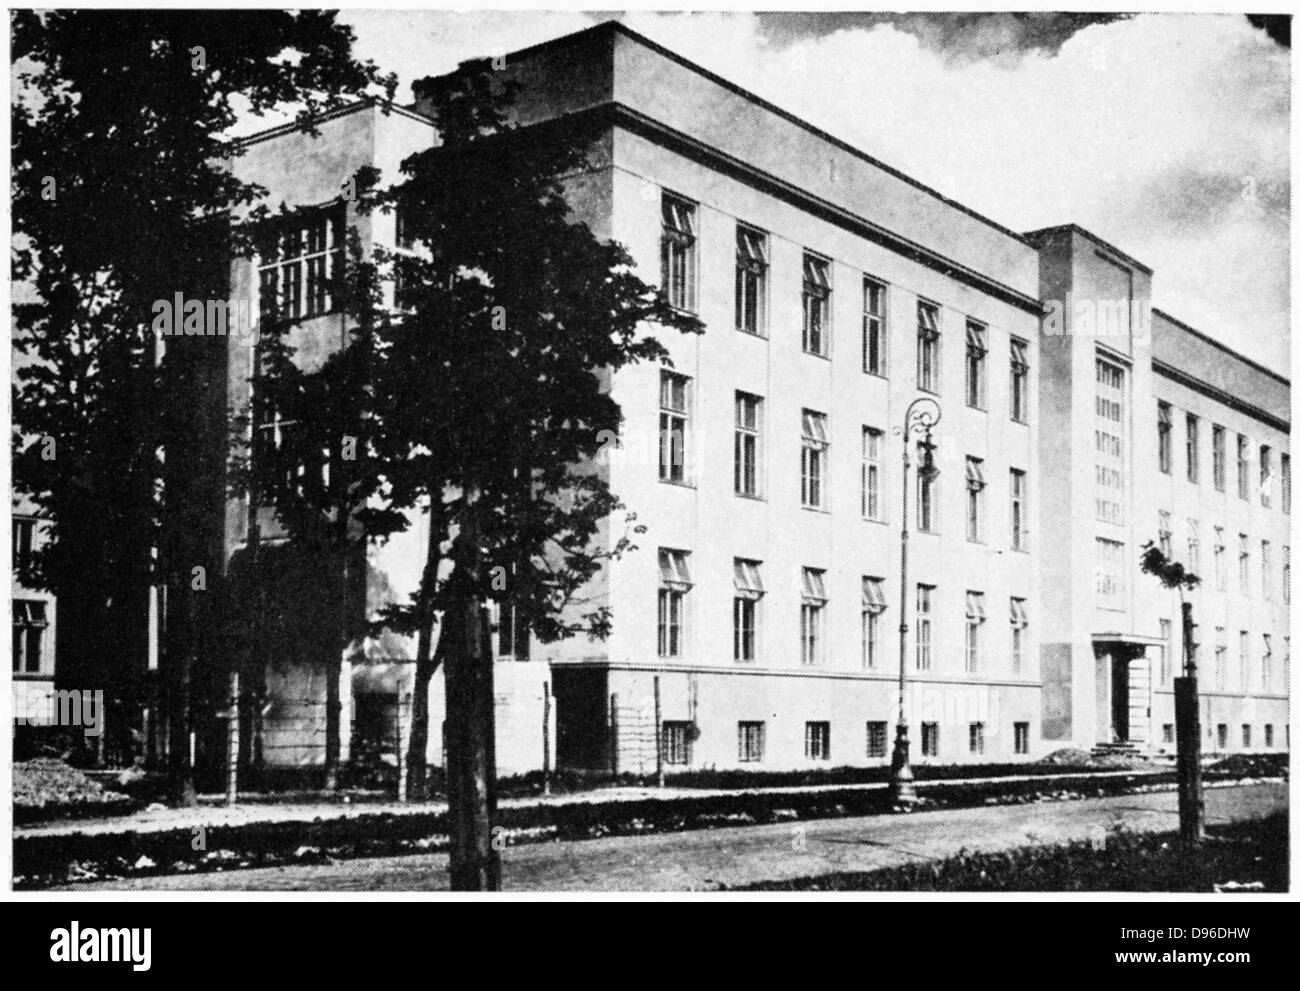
column 922, row 416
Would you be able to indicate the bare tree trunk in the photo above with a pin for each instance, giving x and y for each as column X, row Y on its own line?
column 426, row 663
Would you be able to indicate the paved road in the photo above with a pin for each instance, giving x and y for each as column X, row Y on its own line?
column 707, row 859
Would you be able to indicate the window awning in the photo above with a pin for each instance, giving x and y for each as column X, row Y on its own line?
column 1019, row 617
column 975, row 473
column 816, row 273
column 1019, row 355
column 814, row 427
column 976, row 337
column 679, row 216
column 927, row 317
column 975, row 605
column 751, row 246
column 873, row 595
column 814, row 587
column 29, row 612
column 749, row 583
column 672, row 569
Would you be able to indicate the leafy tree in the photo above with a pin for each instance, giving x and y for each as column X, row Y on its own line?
column 122, row 196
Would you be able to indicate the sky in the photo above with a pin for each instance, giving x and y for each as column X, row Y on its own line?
column 1165, row 134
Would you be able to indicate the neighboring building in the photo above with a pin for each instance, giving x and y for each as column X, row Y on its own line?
column 33, row 617
column 766, row 463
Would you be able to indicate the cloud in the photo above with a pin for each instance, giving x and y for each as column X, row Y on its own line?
column 1166, row 134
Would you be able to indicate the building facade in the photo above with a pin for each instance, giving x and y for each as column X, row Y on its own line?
column 757, row 625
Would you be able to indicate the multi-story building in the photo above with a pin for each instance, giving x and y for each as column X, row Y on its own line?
column 34, row 614
column 759, row 618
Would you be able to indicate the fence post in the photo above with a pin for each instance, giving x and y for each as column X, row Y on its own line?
column 613, row 735
column 401, row 748
column 232, row 742
column 546, row 737
column 659, row 736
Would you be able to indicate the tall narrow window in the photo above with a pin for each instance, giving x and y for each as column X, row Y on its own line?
column 1220, row 658
column 677, row 252
column 1243, row 467
column 24, row 532
column 674, row 422
column 1019, row 510
column 877, row 739
column 1019, row 380
column 1165, row 533
column 927, row 498
column 1266, row 569
column 1219, row 453
column 749, row 592
column 929, row 739
column 927, row 346
column 817, row 740
column 975, row 485
column 1111, row 568
column 1266, row 665
column 1110, row 427
column 1164, row 436
column 1243, row 563
column 749, row 411
column 872, row 473
column 874, row 327
column 1193, row 546
column 1243, row 648
column 975, row 617
column 924, row 627
column 1193, row 449
column 752, row 741
column 977, row 349
column 1265, row 476
column 1019, row 624
column 28, row 635
column 1220, row 563
column 301, row 264
column 816, row 306
column 977, row 738
column 751, row 280
column 873, row 608
column 674, row 584
column 813, row 465
column 812, row 615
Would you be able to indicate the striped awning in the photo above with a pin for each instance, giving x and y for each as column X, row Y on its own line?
column 814, row 427
column 975, row 605
column 749, row 583
column 814, row 587
column 1018, row 615
column 873, row 595
column 975, row 473
column 751, row 246
column 672, row 568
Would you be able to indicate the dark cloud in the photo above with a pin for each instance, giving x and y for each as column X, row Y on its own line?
column 959, row 36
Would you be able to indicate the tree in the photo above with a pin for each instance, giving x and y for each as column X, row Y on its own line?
column 494, row 399
column 122, row 198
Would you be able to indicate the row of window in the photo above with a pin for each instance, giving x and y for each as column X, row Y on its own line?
column 814, row 464
column 680, row 265
column 1218, row 675
column 751, row 738
column 1219, row 458
column 1219, row 735
column 1165, row 537
column 675, row 584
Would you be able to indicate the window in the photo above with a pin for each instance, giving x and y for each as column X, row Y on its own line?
column 975, row 485
column 677, row 254
column 812, row 614
column 1223, row 736
column 1111, row 566
column 29, row 634
column 817, row 741
column 977, row 350
column 749, row 412
column 816, row 306
column 676, row 742
column 674, row 583
column 874, row 329
column 1193, row 449
column 752, row 742
column 977, row 738
column 1109, row 427
column 975, row 617
column 813, row 468
column 1265, row 476
column 1166, row 651
column 1019, row 380
column 873, row 607
column 1164, row 436
column 927, row 497
column 927, row 346
column 674, row 424
column 1243, row 659
column 1019, row 516
column 1243, row 563
column 1245, row 735
column 1266, row 570
column 1167, row 733
column 301, row 264
column 1019, row 623
column 749, row 592
column 1220, row 658
column 1286, row 483
column 1219, row 455
column 24, row 532
column 751, row 280
column 924, row 627
column 1243, row 467
column 873, row 442
column 877, row 739
column 1220, row 566
column 1021, row 737
column 1165, row 533
column 1266, row 665
column 1193, row 546
column 929, row 739
column 1268, row 735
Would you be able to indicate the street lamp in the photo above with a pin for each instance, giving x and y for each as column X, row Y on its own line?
column 922, row 416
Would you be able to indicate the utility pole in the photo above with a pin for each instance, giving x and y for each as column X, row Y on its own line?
column 1191, row 800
